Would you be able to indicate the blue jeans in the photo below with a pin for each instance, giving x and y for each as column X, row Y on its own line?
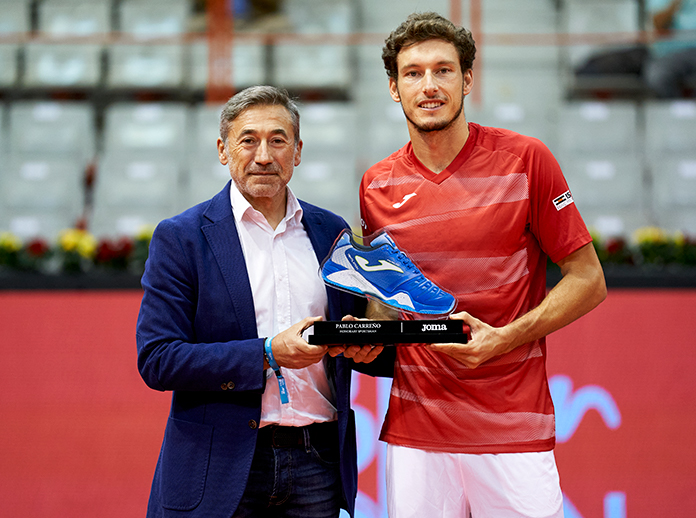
column 293, row 482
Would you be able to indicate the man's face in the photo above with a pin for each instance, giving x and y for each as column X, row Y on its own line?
column 261, row 152
column 431, row 86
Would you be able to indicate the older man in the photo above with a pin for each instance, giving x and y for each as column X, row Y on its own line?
column 260, row 423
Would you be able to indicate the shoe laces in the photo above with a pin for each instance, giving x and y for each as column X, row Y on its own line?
column 424, row 283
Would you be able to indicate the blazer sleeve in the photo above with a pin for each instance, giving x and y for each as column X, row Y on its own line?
column 186, row 333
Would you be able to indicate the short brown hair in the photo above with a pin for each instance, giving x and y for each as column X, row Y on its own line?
column 420, row 27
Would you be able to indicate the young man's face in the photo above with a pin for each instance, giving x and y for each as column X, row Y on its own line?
column 431, row 86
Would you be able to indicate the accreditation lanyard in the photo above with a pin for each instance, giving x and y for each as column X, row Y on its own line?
column 282, row 387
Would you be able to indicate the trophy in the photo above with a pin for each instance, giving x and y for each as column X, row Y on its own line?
column 383, row 272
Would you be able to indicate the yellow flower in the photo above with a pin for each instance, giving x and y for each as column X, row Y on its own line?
column 80, row 241
column 68, row 239
column 10, row 242
column 145, row 233
column 647, row 235
column 87, row 245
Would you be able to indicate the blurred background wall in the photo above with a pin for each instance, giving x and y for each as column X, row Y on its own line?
column 108, row 108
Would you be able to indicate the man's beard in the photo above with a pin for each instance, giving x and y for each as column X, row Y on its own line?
column 435, row 126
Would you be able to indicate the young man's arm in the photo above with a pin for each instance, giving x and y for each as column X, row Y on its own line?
column 580, row 290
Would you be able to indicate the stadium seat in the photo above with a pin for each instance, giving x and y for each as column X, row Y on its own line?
column 145, row 66
column 146, row 128
column 305, row 65
column 53, row 129
column 15, row 17
column 328, row 128
column 40, row 196
column 138, row 62
column 140, row 168
column 134, row 189
column 204, row 175
column 512, row 16
column 247, row 64
column 328, row 174
column 598, row 126
column 326, row 17
column 674, row 180
column 384, row 133
column 614, row 223
column 604, row 179
column 204, row 129
column 599, row 17
column 516, row 117
column 74, row 18
column 27, row 224
column 3, row 136
column 383, row 17
column 670, row 126
column 330, row 183
column 146, row 19
column 62, row 65
column 8, row 64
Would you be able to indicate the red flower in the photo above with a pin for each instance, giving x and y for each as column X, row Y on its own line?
column 615, row 246
column 109, row 251
column 37, row 248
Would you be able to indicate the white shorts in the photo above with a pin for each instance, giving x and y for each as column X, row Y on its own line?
column 457, row 485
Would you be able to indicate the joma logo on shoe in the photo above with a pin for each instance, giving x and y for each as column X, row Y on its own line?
column 381, row 267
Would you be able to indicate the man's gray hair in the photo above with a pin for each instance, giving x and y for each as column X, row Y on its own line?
column 258, row 96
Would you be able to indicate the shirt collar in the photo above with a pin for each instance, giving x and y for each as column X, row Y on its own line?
column 240, row 207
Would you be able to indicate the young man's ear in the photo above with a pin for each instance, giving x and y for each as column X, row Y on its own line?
column 468, row 82
column 394, row 90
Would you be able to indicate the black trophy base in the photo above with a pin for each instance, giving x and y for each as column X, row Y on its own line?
column 389, row 332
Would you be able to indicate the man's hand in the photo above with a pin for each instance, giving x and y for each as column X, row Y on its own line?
column 292, row 351
column 485, row 342
column 580, row 290
column 357, row 353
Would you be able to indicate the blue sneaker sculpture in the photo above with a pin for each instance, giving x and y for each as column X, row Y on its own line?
column 383, row 271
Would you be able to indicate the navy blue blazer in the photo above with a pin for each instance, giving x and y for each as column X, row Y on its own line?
column 196, row 336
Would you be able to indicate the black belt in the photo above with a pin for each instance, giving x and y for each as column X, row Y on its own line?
column 320, row 435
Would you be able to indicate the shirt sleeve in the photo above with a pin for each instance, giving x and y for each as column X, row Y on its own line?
column 555, row 219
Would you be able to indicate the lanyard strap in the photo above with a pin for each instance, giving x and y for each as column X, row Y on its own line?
column 282, row 387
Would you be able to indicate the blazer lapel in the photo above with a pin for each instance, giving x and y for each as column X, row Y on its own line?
column 316, row 230
column 223, row 240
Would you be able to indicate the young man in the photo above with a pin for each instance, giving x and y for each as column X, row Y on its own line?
column 229, row 287
column 470, row 427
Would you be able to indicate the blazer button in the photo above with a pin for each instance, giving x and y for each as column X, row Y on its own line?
column 230, row 385
column 252, row 424
column 223, row 386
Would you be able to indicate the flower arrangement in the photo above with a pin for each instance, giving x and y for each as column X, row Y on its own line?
column 76, row 248
column 75, row 251
column 79, row 251
column 32, row 255
column 651, row 247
